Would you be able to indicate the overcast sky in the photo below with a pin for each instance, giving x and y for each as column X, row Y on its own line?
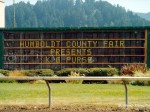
column 133, row 5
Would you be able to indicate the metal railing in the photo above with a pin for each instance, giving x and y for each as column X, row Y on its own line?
column 47, row 79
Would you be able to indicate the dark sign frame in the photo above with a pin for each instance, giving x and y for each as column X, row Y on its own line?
column 74, row 49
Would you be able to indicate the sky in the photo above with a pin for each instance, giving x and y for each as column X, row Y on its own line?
column 132, row 5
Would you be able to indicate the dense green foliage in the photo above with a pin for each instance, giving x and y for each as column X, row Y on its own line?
column 103, row 72
column 70, row 13
column 4, row 72
column 89, row 72
column 38, row 72
column 62, row 72
column 67, row 71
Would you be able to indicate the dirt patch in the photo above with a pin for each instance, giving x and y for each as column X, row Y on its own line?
column 72, row 108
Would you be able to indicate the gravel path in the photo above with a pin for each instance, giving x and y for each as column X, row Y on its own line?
column 73, row 108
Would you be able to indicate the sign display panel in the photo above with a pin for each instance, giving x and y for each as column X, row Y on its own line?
column 85, row 49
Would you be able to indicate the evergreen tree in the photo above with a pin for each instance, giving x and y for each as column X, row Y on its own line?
column 72, row 13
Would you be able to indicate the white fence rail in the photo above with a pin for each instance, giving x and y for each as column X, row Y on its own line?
column 73, row 78
column 47, row 79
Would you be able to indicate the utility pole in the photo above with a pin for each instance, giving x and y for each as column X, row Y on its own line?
column 14, row 13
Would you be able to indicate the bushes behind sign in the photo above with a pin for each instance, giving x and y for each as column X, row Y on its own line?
column 63, row 72
column 89, row 72
column 94, row 72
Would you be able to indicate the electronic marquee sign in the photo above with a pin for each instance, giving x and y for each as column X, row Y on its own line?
column 71, row 49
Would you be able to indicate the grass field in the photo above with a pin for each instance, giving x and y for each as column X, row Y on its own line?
column 72, row 94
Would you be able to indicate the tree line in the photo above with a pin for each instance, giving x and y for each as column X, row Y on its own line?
column 72, row 13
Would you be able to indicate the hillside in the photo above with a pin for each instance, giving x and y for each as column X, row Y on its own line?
column 144, row 15
column 67, row 13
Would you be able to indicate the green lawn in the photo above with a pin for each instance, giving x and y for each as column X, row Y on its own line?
column 112, row 94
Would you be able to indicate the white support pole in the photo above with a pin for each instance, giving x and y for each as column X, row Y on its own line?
column 49, row 93
column 126, row 93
